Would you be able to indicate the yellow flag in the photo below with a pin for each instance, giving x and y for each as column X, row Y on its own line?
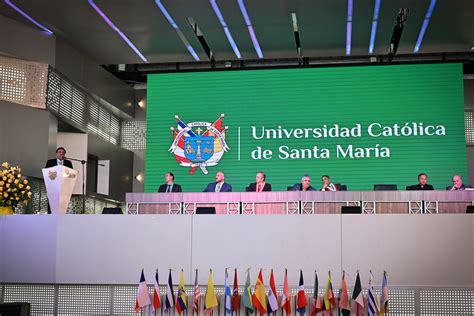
column 211, row 298
column 181, row 300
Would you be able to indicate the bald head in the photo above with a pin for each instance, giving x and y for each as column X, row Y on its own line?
column 220, row 177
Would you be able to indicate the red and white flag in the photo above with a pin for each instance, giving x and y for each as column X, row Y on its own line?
column 156, row 292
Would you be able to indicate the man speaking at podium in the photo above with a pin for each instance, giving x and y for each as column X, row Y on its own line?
column 59, row 160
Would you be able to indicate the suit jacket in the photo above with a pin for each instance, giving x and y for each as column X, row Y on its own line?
column 175, row 188
column 418, row 187
column 54, row 162
column 253, row 187
column 299, row 187
column 211, row 187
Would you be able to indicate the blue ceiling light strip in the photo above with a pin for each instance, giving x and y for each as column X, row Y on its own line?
column 117, row 30
column 177, row 29
column 374, row 26
column 350, row 5
column 29, row 18
column 253, row 37
column 217, row 11
column 426, row 22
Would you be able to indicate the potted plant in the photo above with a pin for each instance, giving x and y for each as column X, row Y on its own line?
column 14, row 188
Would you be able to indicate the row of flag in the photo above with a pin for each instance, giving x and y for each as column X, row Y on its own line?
column 266, row 301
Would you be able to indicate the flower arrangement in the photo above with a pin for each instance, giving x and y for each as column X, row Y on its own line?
column 14, row 188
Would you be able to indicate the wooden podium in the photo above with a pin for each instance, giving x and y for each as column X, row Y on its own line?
column 59, row 181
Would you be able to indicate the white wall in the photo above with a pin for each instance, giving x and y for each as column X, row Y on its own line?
column 433, row 250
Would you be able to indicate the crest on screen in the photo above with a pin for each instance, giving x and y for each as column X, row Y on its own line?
column 198, row 144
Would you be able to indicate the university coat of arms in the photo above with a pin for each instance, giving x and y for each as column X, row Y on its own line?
column 199, row 144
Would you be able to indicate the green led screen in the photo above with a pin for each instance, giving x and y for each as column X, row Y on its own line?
column 360, row 125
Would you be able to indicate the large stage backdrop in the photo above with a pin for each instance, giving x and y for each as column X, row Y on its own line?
column 360, row 125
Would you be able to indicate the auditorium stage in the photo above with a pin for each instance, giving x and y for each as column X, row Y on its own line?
column 417, row 250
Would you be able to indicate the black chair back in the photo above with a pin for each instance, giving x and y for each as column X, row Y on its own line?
column 385, row 187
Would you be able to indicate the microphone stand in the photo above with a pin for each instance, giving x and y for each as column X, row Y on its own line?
column 83, row 163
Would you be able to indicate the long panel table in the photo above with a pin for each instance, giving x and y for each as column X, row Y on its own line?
column 312, row 202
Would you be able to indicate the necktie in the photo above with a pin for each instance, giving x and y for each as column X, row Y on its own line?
column 60, row 162
column 260, row 187
column 168, row 189
column 218, row 187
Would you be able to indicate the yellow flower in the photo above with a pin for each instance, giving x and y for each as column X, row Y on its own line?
column 17, row 198
column 18, row 176
column 30, row 194
column 5, row 195
column 2, row 183
column 28, row 187
column 8, row 185
column 16, row 181
column 20, row 186
column 5, row 164
column 25, row 181
column 4, row 178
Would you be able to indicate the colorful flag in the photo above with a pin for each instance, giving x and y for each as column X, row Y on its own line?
column 227, row 298
column 235, row 294
column 344, row 305
column 143, row 297
column 197, row 293
column 211, row 298
column 247, row 295
column 372, row 300
column 301, row 301
column 384, row 296
column 156, row 292
column 358, row 298
column 317, row 303
column 286, row 297
column 329, row 299
column 181, row 299
column 169, row 301
column 272, row 295
column 259, row 298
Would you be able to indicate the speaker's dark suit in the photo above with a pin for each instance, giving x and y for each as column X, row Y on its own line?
column 54, row 162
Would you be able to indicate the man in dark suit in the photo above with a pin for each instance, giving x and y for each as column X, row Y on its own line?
column 260, row 184
column 169, row 186
column 59, row 160
column 219, row 185
column 457, row 184
column 304, row 185
column 422, row 183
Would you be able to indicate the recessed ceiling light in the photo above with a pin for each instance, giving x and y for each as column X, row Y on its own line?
column 29, row 18
column 424, row 26
column 253, row 37
column 116, row 29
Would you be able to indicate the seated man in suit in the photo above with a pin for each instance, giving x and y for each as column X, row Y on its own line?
column 422, row 183
column 59, row 160
column 304, row 185
column 169, row 186
column 219, row 185
column 457, row 183
column 327, row 184
column 260, row 185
